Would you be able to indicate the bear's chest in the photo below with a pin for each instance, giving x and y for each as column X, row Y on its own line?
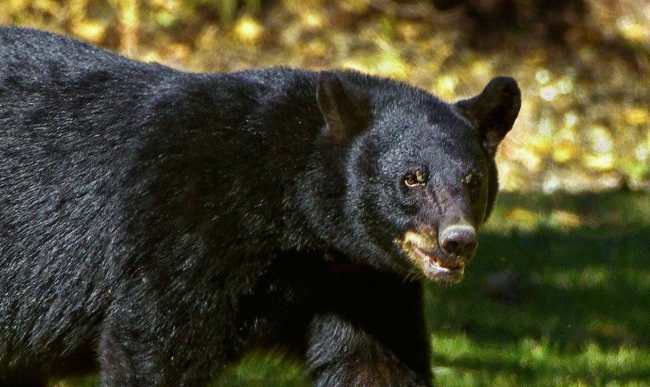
column 281, row 301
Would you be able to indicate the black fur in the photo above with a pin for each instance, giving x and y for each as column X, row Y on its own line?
column 156, row 225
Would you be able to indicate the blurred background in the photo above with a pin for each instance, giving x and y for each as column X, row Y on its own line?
column 559, row 294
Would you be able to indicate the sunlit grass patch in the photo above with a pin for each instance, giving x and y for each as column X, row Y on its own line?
column 264, row 370
column 461, row 361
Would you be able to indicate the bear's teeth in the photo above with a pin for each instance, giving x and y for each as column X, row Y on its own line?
column 439, row 267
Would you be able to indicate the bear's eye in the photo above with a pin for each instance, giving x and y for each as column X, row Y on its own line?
column 473, row 181
column 418, row 178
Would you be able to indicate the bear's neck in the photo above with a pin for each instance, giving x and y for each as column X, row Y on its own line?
column 252, row 168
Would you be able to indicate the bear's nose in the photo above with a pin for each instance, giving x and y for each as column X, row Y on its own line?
column 459, row 240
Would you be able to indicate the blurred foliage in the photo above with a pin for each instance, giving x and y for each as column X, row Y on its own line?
column 583, row 65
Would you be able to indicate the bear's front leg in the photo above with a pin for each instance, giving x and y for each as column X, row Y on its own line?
column 130, row 356
column 151, row 339
column 371, row 333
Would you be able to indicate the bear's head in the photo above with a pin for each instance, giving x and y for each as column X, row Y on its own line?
column 419, row 174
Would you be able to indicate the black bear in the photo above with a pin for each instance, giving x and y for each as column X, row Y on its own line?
column 155, row 225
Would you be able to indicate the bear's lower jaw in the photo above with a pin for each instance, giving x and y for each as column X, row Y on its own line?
column 436, row 270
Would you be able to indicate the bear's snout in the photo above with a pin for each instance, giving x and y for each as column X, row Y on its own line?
column 459, row 240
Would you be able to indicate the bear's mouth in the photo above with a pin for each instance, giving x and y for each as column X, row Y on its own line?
column 441, row 270
column 436, row 266
column 439, row 263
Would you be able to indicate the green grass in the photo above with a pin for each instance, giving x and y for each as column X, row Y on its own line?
column 579, row 314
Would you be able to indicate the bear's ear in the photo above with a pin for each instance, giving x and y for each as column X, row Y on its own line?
column 344, row 106
column 493, row 111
